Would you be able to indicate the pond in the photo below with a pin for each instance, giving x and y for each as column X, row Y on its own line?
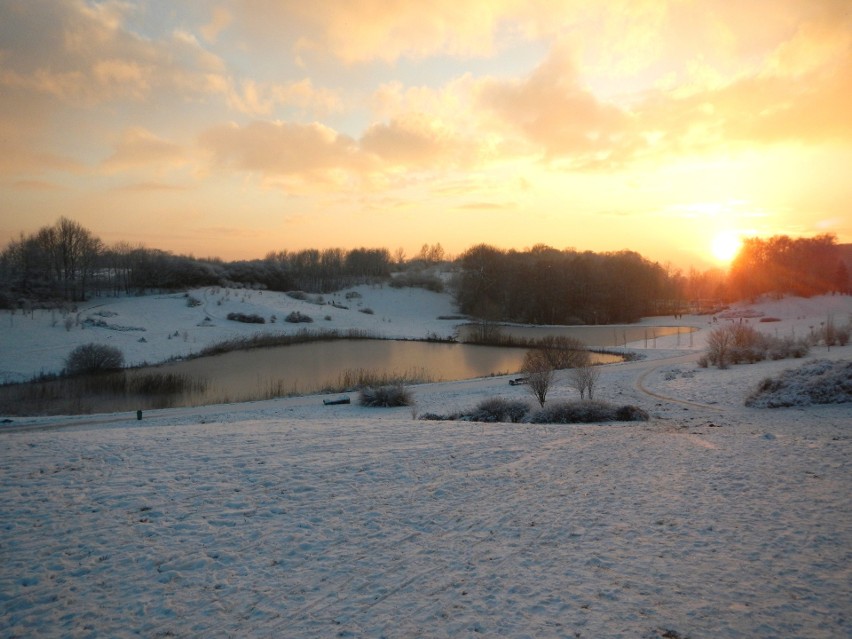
column 606, row 336
column 317, row 366
column 266, row 373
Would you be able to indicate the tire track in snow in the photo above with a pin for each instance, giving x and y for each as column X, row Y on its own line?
column 639, row 384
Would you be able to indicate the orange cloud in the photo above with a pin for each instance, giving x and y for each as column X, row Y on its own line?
column 139, row 147
column 414, row 141
column 85, row 56
column 356, row 32
column 256, row 98
column 280, row 148
column 555, row 113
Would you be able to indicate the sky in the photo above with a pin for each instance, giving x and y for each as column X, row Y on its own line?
column 238, row 127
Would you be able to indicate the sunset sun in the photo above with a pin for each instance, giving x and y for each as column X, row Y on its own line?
column 725, row 246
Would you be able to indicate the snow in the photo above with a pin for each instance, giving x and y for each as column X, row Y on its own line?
column 294, row 519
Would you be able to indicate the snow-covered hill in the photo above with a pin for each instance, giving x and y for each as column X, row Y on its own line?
column 294, row 519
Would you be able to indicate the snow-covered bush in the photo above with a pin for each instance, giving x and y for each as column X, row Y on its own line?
column 586, row 412
column 498, row 409
column 246, row 318
column 817, row 382
column 385, row 396
column 93, row 358
column 298, row 318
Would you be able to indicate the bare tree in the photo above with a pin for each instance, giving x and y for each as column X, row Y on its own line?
column 539, row 373
column 563, row 352
column 584, row 378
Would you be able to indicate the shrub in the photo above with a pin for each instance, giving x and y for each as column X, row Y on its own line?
column 417, row 279
column 92, row 358
column 587, row 412
column 743, row 344
column 298, row 318
column 817, row 382
column 192, row 301
column 630, row 413
column 366, row 311
column 247, row 319
column 385, row 396
column 498, row 409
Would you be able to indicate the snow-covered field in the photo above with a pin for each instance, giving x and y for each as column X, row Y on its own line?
column 288, row 518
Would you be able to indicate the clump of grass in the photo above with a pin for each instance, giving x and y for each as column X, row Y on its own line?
column 385, row 396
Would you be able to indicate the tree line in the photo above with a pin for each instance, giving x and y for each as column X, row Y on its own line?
column 67, row 262
column 541, row 285
column 782, row 265
column 544, row 285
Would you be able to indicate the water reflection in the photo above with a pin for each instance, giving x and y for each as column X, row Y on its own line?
column 591, row 336
column 315, row 366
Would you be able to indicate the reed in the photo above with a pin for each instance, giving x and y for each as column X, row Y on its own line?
column 265, row 340
column 78, row 394
column 357, row 378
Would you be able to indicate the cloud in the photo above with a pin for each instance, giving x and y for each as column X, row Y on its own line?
column 281, row 148
column 38, row 185
column 357, row 32
column 554, row 112
column 799, row 93
column 139, row 147
column 256, row 98
column 318, row 155
column 219, row 21
column 151, row 187
column 414, row 141
column 19, row 160
column 84, row 55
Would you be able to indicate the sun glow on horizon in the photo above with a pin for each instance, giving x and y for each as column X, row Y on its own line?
column 725, row 246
